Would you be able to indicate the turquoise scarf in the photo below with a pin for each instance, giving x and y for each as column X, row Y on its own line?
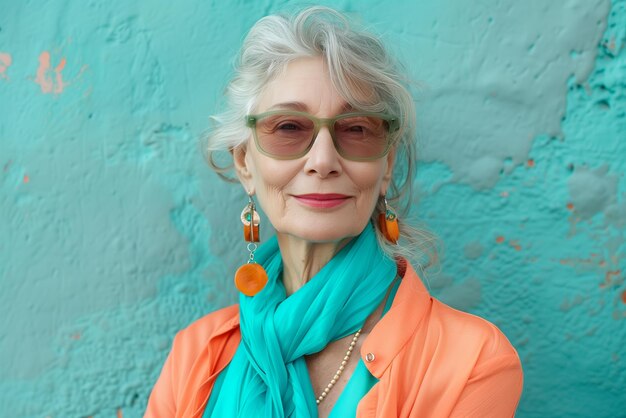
column 268, row 376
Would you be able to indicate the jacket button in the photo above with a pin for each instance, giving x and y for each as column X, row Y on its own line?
column 369, row 357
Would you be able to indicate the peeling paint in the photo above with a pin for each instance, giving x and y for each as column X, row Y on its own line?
column 50, row 81
column 5, row 63
column 515, row 244
column 609, row 279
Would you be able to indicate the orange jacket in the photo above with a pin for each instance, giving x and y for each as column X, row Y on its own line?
column 432, row 361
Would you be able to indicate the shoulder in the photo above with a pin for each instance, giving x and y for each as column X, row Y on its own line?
column 480, row 340
column 463, row 336
column 462, row 348
column 484, row 370
column 203, row 329
column 200, row 336
column 211, row 323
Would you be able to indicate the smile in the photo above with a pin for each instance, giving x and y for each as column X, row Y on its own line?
column 317, row 200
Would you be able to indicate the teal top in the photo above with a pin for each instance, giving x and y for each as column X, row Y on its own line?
column 357, row 387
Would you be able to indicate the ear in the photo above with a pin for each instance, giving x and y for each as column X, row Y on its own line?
column 391, row 160
column 242, row 167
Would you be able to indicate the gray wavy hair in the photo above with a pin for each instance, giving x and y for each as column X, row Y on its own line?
column 360, row 67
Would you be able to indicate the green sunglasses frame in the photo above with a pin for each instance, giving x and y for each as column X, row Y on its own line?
column 394, row 125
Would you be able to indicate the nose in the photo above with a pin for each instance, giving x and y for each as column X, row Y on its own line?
column 323, row 159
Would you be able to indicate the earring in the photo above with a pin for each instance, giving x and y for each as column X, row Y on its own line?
column 388, row 224
column 251, row 277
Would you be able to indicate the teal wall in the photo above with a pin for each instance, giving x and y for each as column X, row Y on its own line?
column 114, row 234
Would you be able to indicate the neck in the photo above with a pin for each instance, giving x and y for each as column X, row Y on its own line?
column 303, row 259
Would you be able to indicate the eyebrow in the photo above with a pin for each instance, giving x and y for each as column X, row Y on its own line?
column 301, row 107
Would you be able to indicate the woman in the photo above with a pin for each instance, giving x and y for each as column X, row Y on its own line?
column 332, row 319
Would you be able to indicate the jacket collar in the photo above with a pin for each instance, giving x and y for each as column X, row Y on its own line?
column 394, row 330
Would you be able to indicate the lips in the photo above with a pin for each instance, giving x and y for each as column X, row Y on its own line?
column 325, row 196
column 322, row 200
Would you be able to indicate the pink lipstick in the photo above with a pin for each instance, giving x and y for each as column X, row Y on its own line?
column 318, row 200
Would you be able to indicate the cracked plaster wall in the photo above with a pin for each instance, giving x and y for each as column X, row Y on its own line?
column 114, row 234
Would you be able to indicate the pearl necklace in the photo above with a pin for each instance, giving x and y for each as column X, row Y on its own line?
column 341, row 368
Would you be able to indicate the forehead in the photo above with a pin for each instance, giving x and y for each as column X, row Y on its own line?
column 305, row 85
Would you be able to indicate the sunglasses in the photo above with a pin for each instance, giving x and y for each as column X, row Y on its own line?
column 286, row 135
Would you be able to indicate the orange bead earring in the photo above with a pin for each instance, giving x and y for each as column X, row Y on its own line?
column 250, row 278
column 388, row 224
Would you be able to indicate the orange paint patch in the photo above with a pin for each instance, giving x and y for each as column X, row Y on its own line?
column 608, row 278
column 26, row 179
column 5, row 62
column 44, row 78
column 515, row 244
column 624, row 296
column 530, row 163
column 570, row 206
column 588, row 263
column 119, row 413
column 500, row 239
column 60, row 84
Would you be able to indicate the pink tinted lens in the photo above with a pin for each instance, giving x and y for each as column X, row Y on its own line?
column 362, row 136
column 284, row 135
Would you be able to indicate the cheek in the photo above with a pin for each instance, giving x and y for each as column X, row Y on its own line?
column 368, row 177
column 274, row 174
column 270, row 178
